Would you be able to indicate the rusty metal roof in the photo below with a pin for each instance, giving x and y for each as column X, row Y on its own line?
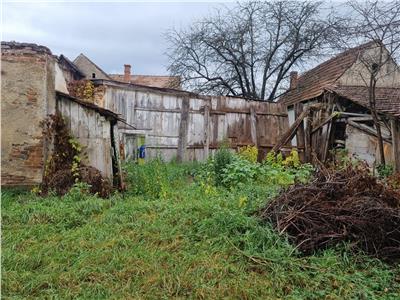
column 312, row 83
column 387, row 99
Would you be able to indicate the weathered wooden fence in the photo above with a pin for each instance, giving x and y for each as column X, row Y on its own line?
column 95, row 129
column 188, row 126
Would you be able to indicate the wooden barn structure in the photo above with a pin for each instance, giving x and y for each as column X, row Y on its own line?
column 329, row 108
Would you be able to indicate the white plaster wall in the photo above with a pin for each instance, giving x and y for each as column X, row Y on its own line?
column 358, row 74
column 365, row 147
column 60, row 82
column 292, row 118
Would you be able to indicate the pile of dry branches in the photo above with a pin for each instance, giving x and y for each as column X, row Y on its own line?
column 339, row 206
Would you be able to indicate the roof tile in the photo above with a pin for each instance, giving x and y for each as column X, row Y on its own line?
column 312, row 83
column 173, row 82
column 387, row 99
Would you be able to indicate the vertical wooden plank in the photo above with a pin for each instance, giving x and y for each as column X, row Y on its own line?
column 183, row 130
column 253, row 125
column 307, row 137
column 206, row 130
column 300, row 139
column 395, row 124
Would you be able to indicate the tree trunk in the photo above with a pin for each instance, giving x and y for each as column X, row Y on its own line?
column 372, row 104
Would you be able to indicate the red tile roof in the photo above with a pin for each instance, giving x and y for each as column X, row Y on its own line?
column 387, row 99
column 172, row 82
column 312, row 83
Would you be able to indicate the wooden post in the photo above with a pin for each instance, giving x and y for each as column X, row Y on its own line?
column 289, row 134
column 298, row 109
column 396, row 143
column 183, row 130
column 307, row 137
column 206, row 130
column 253, row 125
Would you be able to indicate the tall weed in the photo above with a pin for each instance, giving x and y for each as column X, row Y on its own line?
column 156, row 179
column 235, row 170
column 222, row 158
column 148, row 179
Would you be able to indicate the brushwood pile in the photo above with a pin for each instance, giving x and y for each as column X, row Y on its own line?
column 339, row 206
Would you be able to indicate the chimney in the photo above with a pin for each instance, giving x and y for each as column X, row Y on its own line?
column 127, row 73
column 294, row 76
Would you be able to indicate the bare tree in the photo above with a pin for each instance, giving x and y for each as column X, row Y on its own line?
column 378, row 22
column 249, row 50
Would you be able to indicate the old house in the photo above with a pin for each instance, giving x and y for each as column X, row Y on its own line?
column 93, row 71
column 70, row 71
column 89, row 68
column 34, row 86
column 343, row 119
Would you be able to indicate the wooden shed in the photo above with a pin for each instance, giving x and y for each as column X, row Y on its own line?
column 329, row 108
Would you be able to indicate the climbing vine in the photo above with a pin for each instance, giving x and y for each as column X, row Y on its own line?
column 66, row 152
column 64, row 168
column 82, row 89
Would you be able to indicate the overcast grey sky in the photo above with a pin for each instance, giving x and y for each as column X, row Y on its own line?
column 110, row 33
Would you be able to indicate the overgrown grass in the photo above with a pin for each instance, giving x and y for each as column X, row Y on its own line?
column 174, row 238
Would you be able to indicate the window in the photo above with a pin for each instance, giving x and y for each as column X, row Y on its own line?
column 93, row 75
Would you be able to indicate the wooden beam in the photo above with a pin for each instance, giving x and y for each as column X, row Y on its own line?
column 361, row 119
column 395, row 124
column 253, row 125
column 289, row 134
column 369, row 130
column 327, row 141
column 206, row 130
column 298, row 109
column 327, row 120
column 348, row 114
column 183, row 130
column 307, row 139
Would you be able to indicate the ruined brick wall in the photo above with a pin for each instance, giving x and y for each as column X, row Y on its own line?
column 27, row 97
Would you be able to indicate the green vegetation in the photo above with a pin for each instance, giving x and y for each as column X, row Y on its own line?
column 176, row 233
column 385, row 170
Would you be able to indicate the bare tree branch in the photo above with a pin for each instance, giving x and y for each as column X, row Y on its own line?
column 250, row 49
column 378, row 22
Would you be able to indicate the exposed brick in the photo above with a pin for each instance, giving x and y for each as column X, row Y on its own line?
column 35, row 156
column 28, row 96
column 9, row 179
column 31, row 95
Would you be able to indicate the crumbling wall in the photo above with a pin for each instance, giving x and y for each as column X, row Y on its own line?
column 365, row 147
column 27, row 97
column 359, row 75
